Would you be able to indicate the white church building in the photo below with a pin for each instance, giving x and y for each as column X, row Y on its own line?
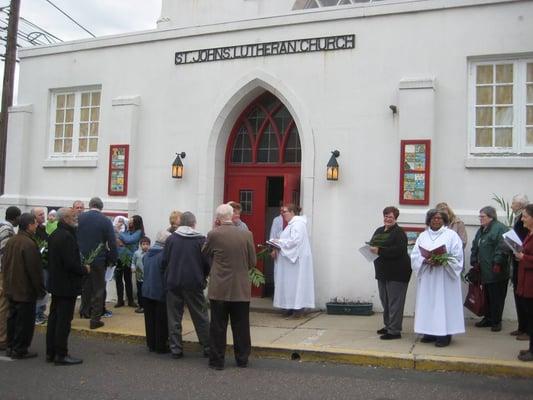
column 424, row 100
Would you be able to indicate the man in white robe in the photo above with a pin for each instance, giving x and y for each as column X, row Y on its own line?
column 439, row 304
column 293, row 271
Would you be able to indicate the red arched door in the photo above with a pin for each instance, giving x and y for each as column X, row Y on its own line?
column 263, row 168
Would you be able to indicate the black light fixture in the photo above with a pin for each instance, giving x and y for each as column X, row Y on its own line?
column 177, row 166
column 333, row 166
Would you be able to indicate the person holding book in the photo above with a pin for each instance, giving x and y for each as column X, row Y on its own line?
column 524, row 288
column 437, row 260
column 294, row 287
column 393, row 271
column 490, row 257
column 520, row 201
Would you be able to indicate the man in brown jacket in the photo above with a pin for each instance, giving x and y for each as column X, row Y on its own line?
column 23, row 285
column 232, row 252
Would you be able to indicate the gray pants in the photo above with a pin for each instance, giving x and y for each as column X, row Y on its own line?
column 195, row 300
column 392, row 296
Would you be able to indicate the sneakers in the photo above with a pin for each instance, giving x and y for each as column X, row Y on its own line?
column 107, row 314
column 139, row 310
column 40, row 320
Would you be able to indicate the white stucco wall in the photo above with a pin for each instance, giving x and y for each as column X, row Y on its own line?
column 340, row 100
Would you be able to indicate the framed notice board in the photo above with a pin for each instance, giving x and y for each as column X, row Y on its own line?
column 414, row 171
column 118, row 169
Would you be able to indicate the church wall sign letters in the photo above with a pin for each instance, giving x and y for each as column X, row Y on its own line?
column 294, row 46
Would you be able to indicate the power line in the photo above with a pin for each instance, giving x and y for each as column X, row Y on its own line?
column 39, row 28
column 69, row 17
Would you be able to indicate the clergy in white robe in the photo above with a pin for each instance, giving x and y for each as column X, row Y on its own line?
column 294, row 287
column 439, row 303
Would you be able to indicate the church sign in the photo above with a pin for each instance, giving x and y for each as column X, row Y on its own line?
column 328, row 43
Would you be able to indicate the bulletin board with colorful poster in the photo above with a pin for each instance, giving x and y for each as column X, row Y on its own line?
column 414, row 171
column 412, row 233
column 118, row 169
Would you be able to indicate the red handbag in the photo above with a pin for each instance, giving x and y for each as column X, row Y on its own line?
column 475, row 299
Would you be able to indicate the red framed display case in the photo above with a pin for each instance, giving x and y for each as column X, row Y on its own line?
column 415, row 171
column 118, row 169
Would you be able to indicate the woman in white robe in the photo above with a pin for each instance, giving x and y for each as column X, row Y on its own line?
column 294, row 287
column 439, row 303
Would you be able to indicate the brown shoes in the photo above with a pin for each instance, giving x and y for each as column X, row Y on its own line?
column 522, row 336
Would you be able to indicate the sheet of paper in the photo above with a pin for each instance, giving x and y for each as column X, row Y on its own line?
column 365, row 251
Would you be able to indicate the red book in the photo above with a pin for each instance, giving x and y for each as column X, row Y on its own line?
column 435, row 252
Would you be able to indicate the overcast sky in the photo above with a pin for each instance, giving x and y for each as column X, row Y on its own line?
column 101, row 17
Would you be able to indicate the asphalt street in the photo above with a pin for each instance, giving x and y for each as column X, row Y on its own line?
column 115, row 370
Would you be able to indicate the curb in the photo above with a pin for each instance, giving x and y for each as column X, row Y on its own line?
column 370, row 358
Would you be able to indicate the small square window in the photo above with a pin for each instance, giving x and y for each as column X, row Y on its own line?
column 246, row 199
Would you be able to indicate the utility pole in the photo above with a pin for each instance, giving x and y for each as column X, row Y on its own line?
column 9, row 83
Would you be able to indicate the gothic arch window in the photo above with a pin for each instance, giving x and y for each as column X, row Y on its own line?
column 265, row 134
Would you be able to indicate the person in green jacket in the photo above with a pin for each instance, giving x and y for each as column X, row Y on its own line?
column 490, row 259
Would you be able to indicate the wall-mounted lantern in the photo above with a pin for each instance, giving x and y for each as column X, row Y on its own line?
column 333, row 166
column 177, row 166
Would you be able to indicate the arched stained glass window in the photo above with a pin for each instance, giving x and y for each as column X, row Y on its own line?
column 293, row 153
column 256, row 118
column 268, row 149
column 282, row 119
column 258, row 135
column 242, row 149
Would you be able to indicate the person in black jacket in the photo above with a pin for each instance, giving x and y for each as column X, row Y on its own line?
column 393, row 271
column 186, row 273
column 65, row 273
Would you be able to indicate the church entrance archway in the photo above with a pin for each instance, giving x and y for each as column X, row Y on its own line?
column 263, row 168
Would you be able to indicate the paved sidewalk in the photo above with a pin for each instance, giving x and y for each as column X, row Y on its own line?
column 349, row 339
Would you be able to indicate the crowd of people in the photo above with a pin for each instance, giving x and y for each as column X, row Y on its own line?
column 70, row 254
column 437, row 259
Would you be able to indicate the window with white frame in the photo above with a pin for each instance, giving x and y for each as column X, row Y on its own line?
column 75, row 123
column 501, row 109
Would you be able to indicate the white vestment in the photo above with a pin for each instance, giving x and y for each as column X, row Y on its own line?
column 276, row 228
column 439, row 301
column 294, row 286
